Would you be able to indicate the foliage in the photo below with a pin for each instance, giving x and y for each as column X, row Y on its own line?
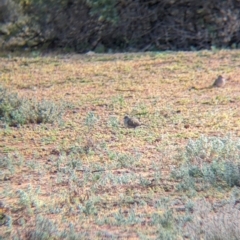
column 212, row 222
column 16, row 111
column 85, row 25
column 105, row 9
column 210, row 160
column 12, row 22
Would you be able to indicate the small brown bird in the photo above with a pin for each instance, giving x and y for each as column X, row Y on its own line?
column 131, row 122
column 219, row 82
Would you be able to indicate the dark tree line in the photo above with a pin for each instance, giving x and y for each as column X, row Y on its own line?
column 120, row 25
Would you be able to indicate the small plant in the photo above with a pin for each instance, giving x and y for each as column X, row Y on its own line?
column 222, row 223
column 91, row 120
column 117, row 102
column 124, row 160
column 12, row 108
column 113, row 122
column 116, row 180
column 45, row 229
column 89, row 208
column 46, row 112
column 9, row 162
column 29, row 198
column 125, row 219
column 16, row 111
column 144, row 181
column 210, row 161
column 166, row 223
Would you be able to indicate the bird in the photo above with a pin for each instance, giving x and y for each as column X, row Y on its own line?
column 131, row 122
column 219, row 82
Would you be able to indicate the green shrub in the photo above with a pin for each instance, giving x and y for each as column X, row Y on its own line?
column 210, row 222
column 16, row 111
column 209, row 161
column 46, row 112
column 44, row 229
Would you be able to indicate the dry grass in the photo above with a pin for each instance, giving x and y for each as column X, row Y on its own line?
column 90, row 168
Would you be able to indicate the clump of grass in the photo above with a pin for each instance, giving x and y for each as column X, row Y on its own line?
column 15, row 111
column 201, row 220
column 9, row 163
column 91, row 121
column 113, row 122
column 46, row 112
column 209, row 161
column 207, row 223
column 44, row 229
column 29, row 198
column 123, row 160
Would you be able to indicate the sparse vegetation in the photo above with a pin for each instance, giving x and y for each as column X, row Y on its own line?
column 210, row 161
column 89, row 177
column 16, row 111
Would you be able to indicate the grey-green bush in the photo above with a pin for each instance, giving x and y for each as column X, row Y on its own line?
column 16, row 111
column 209, row 161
